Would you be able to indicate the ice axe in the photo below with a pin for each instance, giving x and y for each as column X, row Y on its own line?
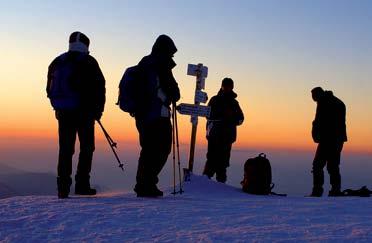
column 112, row 144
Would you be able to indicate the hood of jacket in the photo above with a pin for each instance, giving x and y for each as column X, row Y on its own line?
column 164, row 46
column 162, row 53
column 231, row 95
column 328, row 93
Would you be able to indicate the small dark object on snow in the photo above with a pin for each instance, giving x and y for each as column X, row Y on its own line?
column 362, row 192
column 257, row 176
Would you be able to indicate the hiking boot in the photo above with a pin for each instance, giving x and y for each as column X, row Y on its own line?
column 317, row 192
column 158, row 192
column 63, row 184
column 87, row 191
column 335, row 193
column 82, row 186
column 148, row 192
column 62, row 195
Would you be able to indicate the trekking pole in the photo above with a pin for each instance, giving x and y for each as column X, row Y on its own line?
column 174, row 154
column 178, row 148
column 108, row 137
column 112, row 145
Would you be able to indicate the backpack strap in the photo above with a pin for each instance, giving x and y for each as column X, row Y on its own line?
column 274, row 193
column 362, row 192
column 278, row 194
column 272, row 186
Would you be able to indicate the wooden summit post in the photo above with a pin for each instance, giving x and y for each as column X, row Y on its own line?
column 195, row 110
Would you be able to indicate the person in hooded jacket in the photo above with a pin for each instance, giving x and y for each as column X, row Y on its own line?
column 329, row 131
column 225, row 116
column 76, row 89
column 159, row 90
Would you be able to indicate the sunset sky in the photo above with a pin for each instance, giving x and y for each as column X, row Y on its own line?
column 275, row 51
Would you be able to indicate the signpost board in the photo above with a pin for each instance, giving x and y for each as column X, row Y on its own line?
column 201, row 96
column 194, row 110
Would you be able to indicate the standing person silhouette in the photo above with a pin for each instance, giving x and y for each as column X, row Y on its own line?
column 225, row 116
column 158, row 91
column 76, row 89
column 329, row 131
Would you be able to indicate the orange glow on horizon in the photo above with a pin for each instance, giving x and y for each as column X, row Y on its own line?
column 246, row 139
column 277, row 117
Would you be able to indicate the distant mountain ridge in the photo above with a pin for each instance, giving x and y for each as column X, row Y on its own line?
column 15, row 182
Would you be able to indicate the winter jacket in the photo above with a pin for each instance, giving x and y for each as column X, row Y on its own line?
column 158, row 86
column 225, row 115
column 86, row 80
column 329, row 124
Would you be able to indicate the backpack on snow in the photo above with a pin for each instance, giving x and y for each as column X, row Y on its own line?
column 128, row 99
column 257, row 176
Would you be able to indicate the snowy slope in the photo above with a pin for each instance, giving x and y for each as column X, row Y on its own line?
column 6, row 191
column 207, row 211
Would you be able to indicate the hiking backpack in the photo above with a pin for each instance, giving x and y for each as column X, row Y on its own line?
column 257, row 176
column 62, row 90
column 128, row 90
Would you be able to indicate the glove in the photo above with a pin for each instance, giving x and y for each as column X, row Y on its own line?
column 98, row 115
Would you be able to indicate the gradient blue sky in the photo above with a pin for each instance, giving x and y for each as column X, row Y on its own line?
column 276, row 51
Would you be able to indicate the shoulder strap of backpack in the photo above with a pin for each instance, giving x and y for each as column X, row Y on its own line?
column 274, row 193
column 278, row 194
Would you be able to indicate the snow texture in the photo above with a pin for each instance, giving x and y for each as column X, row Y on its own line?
column 207, row 212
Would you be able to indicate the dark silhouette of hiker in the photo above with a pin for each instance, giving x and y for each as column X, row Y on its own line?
column 329, row 131
column 225, row 115
column 159, row 90
column 76, row 88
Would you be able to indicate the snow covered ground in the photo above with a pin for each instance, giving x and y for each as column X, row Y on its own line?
column 207, row 211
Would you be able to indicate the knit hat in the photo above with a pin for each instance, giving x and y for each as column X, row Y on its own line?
column 227, row 82
column 79, row 42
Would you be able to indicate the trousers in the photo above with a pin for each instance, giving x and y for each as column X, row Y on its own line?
column 327, row 154
column 70, row 124
column 155, row 140
column 218, row 159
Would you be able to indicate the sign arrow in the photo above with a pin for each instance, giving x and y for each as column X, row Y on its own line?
column 194, row 110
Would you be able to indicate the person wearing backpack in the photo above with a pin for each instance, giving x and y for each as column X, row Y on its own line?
column 225, row 116
column 155, row 89
column 329, row 131
column 76, row 89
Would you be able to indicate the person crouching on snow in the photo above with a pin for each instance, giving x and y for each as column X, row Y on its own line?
column 225, row 115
